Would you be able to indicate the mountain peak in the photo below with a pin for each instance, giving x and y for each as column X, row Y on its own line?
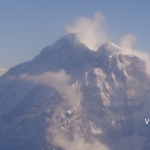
column 110, row 48
column 69, row 38
column 114, row 89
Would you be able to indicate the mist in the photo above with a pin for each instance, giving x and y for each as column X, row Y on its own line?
column 126, row 44
column 78, row 143
column 91, row 32
column 2, row 71
column 59, row 81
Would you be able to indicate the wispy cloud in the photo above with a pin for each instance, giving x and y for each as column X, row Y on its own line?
column 59, row 81
column 2, row 71
column 126, row 43
column 78, row 143
column 91, row 32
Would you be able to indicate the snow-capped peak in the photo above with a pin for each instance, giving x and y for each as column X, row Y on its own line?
column 109, row 49
column 69, row 39
column 115, row 89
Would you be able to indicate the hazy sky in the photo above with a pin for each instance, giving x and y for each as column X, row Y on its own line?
column 27, row 26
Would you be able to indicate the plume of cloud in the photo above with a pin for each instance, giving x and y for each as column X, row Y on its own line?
column 126, row 44
column 59, row 81
column 127, row 41
column 91, row 32
column 2, row 71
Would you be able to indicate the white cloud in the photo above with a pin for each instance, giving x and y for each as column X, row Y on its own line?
column 59, row 81
column 91, row 32
column 2, row 71
column 78, row 143
column 126, row 43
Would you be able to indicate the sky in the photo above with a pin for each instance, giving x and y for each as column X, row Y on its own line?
column 26, row 26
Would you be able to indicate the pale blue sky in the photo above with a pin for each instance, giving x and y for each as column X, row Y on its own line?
column 27, row 26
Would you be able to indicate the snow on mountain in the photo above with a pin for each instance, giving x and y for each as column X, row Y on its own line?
column 115, row 88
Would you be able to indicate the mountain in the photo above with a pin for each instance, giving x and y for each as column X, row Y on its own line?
column 115, row 89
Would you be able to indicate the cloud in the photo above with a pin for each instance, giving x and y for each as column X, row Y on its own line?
column 2, row 71
column 127, row 41
column 91, row 32
column 59, row 81
column 78, row 143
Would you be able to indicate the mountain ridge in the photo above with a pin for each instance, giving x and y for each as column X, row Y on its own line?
column 115, row 87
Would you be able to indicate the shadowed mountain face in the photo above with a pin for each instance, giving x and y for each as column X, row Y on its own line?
column 115, row 90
